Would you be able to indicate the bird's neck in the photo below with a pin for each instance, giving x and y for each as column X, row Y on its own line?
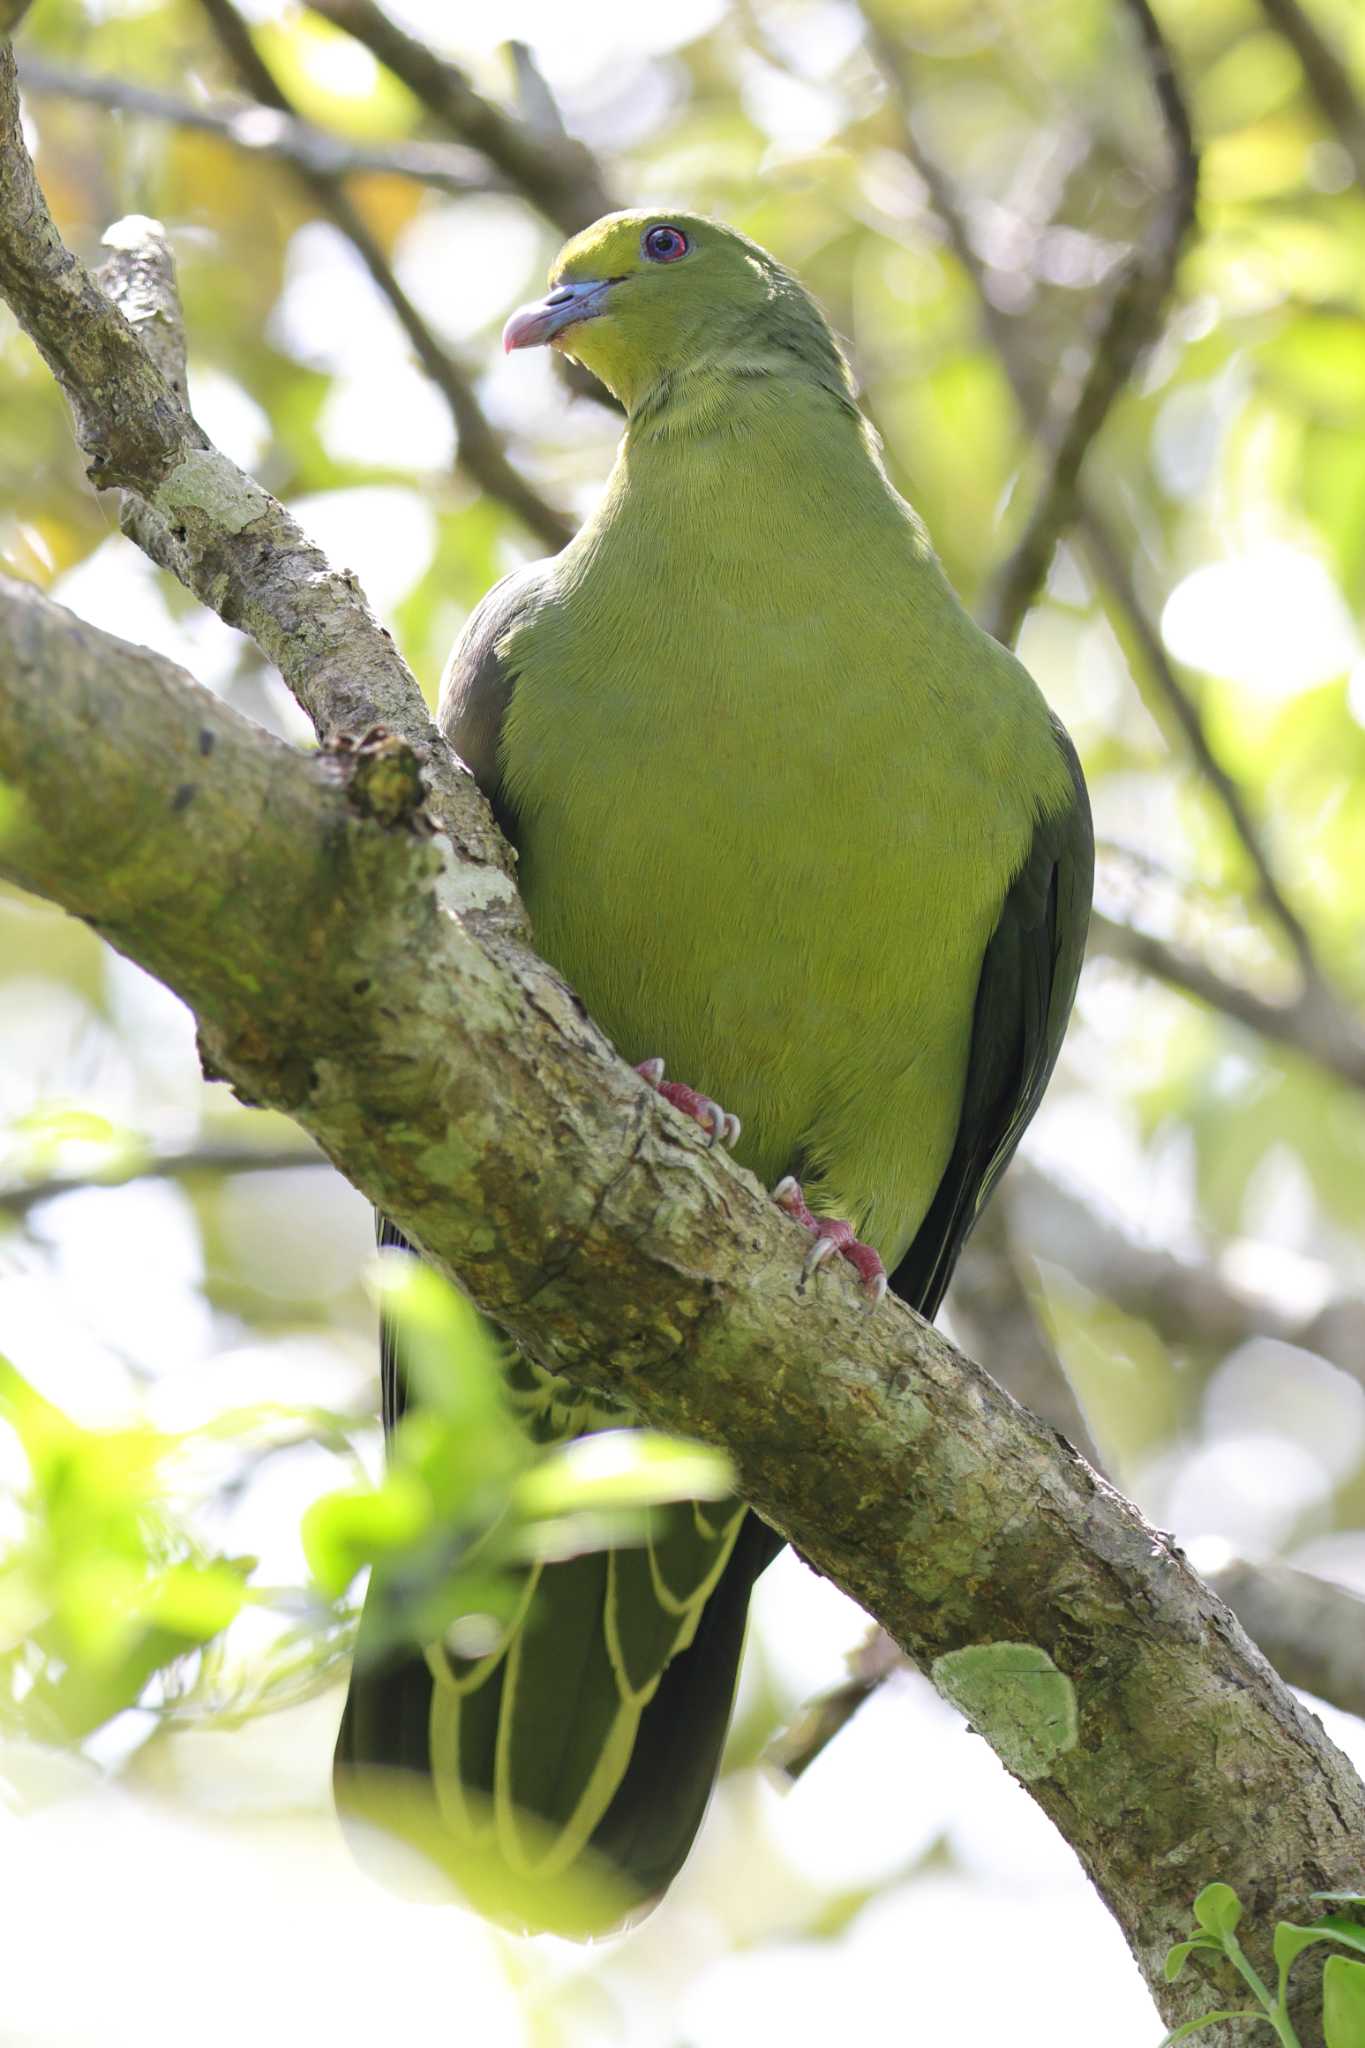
column 742, row 381
column 743, row 440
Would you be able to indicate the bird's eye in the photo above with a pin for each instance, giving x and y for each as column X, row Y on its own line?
column 665, row 244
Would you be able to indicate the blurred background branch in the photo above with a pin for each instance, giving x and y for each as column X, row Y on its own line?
column 1328, row 78
column 265, row 131
column 1124, row 326
column 480, row 448
column 558, row 176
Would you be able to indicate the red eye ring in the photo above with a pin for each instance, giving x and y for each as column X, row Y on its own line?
column 665, row 243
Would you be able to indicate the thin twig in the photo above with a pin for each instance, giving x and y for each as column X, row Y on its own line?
column 1328, row 78
column 184, row 1163
column 559, row 176
column 1193, row 1304
column 817, row 1723
column 481, row 449
column 1129, row 322
column 265, row 131
column 1111, row 565
column 1320, row 1030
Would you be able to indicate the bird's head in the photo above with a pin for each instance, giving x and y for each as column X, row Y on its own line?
column 640, row 296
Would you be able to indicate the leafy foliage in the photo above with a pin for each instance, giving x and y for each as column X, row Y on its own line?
column 1218, row 1913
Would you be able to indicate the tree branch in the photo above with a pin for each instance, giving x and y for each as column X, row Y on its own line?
column 1126, row 326
column 559, row 176
column 1321, row 1033
column 1328, row 78
column 330, row 985
column 187, row 1162
column 264, row 131
column 1312, row 1631
column 993, row 1315
column 1112, row 567
column 481, row 450
column 227, row 540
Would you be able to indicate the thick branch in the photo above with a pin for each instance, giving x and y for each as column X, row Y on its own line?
column 330, row 985
column 558, row 176
column 264, row 131
column 480, row 447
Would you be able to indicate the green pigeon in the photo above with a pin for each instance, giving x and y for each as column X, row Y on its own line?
column 816, row 855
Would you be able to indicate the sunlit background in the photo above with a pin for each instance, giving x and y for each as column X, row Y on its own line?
column 177, row 1873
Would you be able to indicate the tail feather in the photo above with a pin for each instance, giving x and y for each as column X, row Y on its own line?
column 592, row 1733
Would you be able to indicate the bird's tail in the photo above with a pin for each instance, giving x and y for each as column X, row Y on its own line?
column 562, row 1774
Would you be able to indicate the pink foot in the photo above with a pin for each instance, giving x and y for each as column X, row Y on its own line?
column 715, row 1121
column 831, row 1237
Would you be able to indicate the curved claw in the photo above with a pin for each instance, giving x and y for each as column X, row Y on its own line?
column 822, row 1249
column 831, row 1236
column 720, row 1125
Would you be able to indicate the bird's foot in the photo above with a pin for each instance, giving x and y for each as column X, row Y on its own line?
column 831, row 1236
column 717, row 1123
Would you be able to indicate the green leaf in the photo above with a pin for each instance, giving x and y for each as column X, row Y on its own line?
column 357, row 1525
column 1177, row 1957
column 621, row 1468
column 1341, row 1898
column 1291, row 1941
column 1209, row 2019
column 1343, row 2003
column 1349, row 1933
column 1218, row 1909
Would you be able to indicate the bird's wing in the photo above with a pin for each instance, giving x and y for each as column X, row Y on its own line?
column 1028, row 981
column 477, row 686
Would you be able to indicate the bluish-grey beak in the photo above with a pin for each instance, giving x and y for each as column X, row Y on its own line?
column 531, row 326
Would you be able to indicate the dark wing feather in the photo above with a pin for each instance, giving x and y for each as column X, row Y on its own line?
column 1023, row 1000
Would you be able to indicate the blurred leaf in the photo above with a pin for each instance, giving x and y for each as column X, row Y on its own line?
column 621, row 1468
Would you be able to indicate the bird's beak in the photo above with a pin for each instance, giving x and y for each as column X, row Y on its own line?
column 531, row 326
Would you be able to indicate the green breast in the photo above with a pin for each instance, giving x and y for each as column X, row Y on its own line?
column 772, row 785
